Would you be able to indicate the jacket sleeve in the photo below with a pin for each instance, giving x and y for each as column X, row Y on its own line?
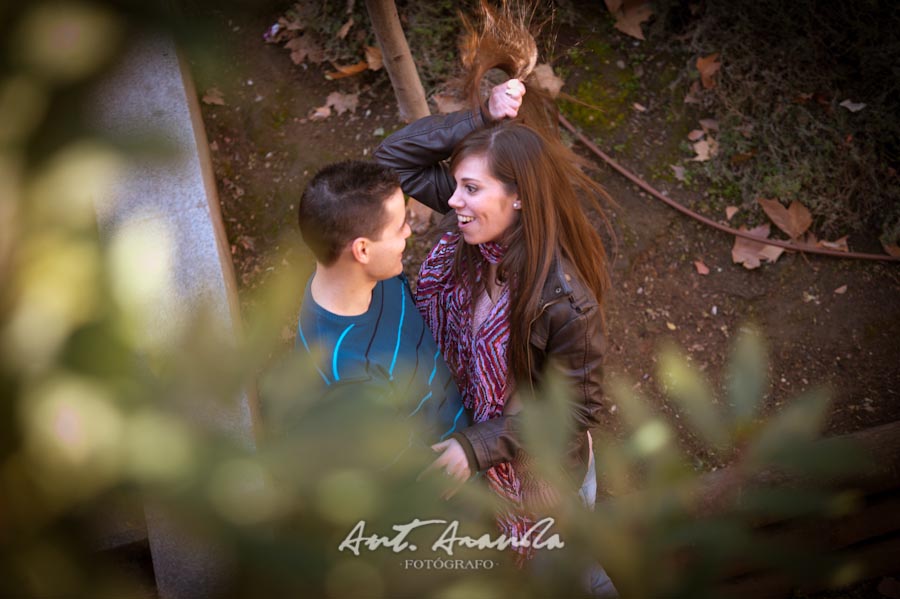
column 574, row 348
column 418, row 153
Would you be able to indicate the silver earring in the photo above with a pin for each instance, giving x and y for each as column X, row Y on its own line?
column 517, row 205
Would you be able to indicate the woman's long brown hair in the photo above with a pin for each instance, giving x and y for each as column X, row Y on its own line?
column 529, row 158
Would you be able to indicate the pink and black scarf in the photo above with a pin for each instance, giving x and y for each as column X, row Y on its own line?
column 478, row 361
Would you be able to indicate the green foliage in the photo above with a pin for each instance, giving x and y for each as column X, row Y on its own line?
column 665, row 529
column 787, row 66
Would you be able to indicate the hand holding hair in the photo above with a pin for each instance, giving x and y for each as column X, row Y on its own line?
column 505, row 100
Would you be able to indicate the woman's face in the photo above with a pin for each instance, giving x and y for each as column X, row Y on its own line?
column 484, row 209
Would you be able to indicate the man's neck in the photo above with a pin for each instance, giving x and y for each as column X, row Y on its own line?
column 342, row 291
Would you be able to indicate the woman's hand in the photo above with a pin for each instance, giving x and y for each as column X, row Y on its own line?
column 506, row 99
column 452, row 462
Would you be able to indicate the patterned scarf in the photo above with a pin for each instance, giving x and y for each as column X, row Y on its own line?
column 479, row 363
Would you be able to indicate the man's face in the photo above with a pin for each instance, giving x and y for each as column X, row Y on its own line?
column 386, row 249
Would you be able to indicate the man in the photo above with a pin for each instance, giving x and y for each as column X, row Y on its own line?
column 358, row 320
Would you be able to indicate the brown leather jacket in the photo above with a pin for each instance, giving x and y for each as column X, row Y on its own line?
column 567, row 332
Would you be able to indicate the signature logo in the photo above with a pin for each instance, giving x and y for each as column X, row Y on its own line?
column 449, row 539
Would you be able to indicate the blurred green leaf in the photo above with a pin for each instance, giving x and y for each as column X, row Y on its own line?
column 747, row 376
column 800, row 421
column 693, row 395
column 546, row 426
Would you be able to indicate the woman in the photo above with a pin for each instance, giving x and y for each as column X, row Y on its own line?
column 516, row 283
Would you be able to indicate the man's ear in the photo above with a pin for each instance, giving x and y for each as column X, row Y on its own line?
column 359, row 248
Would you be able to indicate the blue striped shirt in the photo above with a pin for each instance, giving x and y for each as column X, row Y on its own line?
column 390, row 350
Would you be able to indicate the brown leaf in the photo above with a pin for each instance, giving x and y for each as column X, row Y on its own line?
column 852, row 106
column 730, row 211
column 709, row 125
column 639, row 107
column 613, row 6
column 346, row 70
column 679, row 171
column 705, row 150
column 630, row 17
column 892, row 250
column 794, row 220
column 305, row 47
column 342, row 102
column 751, row 253
column 702, row 268
column 741, row 158
column 696, row 134
column 345, row 29
column 693, row 94
column 547, row 80
column 213, row 96
column 321, row 113
column 708, row 67
column 447, row 103
column 373, row 58
column 838, row 244
column 841, row 290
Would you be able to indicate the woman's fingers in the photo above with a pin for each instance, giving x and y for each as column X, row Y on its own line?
column 506, row 99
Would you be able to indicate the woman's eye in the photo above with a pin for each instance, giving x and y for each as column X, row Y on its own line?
column 471, row 188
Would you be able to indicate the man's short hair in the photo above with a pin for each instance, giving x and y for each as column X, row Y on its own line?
column 344, row 201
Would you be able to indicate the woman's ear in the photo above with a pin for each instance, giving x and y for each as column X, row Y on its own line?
column 517, row 205
column 359, row 248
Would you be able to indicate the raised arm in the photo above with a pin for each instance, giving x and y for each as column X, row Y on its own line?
column 419, row 151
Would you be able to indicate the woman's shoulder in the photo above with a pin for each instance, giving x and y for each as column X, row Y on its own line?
column 565, row 282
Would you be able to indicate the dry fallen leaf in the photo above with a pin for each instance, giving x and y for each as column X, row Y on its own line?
column 346, row 70
column 794, row 220
column 613, row 5
column 342, row 102
column 693, row 94
column 709, row 125
column 345, row 28
column 447, row 103
column 852, row 106
column 838, row 244
column 321, row 113
column 708, row 67
column 213, row 96
column 305, row 47
column 546, row 79
column 696, row 134
column 892, row 250
column 671, row 326
column 630, row 15
column 730, row 211
column 741, row 158
column 705, row 150
column 373, row 58
column 639, row 107
column 702, row 268
column 750, row 253
column 841, row 290
column 679, row 171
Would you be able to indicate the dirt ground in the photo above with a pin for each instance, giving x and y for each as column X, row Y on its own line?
column 265, row 148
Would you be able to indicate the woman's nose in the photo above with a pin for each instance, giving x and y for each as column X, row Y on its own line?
column 454, row 201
